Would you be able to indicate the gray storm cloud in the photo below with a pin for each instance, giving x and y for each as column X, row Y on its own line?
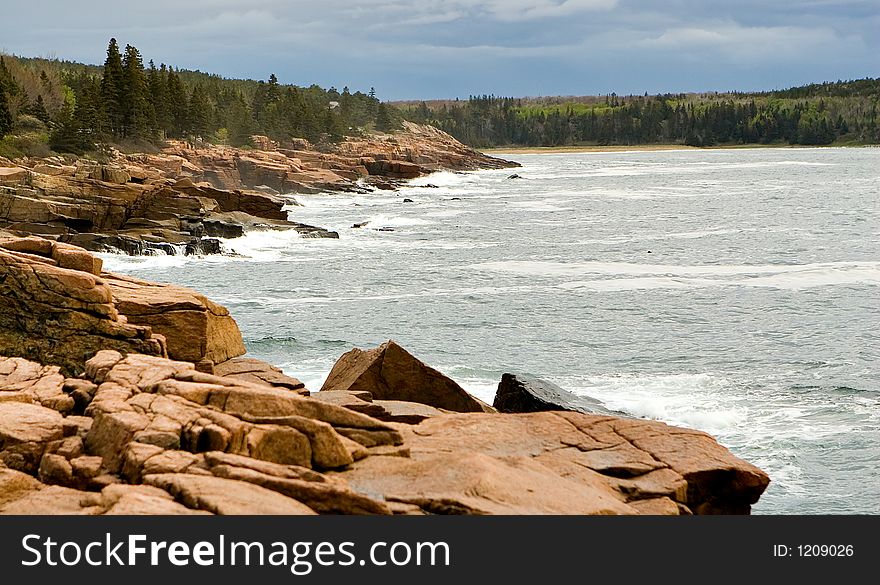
column 449, row 48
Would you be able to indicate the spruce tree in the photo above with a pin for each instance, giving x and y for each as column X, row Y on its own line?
column 66, row 136
column 158, row 99
column 156, row 95
column 199, row 113
column 383, row 118
column 135, row 107
column 240, row 122
column 8, row 88
column 7, row 83
column 38, row 110
column 112, row 84
column 88, row 114
column 178, row 106
column 5, row 115
column 273, row 92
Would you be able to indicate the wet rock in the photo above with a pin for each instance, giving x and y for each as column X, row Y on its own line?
column 203, row 247
column 525, row 393
column 222, row 229
column 396, row 169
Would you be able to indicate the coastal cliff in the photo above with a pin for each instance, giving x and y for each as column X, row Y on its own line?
column 178, row 201
column 120, row 396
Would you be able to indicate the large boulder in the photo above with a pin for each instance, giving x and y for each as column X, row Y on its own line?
column 525, row 393
column 55, row 309
column 91, row 310
column 25, row 429
column 195, row 328
column 13, row 175
column 389, row 372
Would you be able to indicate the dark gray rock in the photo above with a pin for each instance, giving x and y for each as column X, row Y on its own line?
column 203, row 247
column 222, row 229
column 525, row 393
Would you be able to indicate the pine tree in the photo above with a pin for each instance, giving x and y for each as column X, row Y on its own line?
column 273, row 93
column 5, row 115
column 178, row 107
column 240, row 123
column 7, row 83
column 66, row 134
column 199, row 112
column 332, row 125
column 38, row 110
column 135, row 107
column 112, row 84
column 8, row 88
column 383, row 118
column 88, row 113
column 158, row 99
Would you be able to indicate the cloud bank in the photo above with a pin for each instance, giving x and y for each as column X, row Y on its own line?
column 421, row 49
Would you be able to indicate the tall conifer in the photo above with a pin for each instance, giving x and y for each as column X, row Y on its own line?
column 112, row 89
column 135, row 107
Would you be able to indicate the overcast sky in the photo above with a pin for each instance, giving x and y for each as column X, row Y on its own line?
column 422, row 49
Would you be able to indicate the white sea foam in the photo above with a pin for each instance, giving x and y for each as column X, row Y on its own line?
column 541, row 205
column 359, row 298
column 479, row 387
column 789, row 276
column 254, row 246
column 264, row 245
column 380, row 221
column 702, row 401
column 443, row 179
column 646, row 283
column 124, row 263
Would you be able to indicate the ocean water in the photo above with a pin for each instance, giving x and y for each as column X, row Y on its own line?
column 733, row 291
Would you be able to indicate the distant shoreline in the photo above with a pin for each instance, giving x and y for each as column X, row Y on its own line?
column 649, row 148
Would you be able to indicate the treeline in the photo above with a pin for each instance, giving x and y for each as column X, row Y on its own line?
column 77, row 106
column 816, row 115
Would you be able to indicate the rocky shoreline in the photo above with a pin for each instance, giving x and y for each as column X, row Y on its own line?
column 121, row 396
column 180, row 200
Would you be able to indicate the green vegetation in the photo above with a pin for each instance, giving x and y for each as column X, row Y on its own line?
column 819, row 114
column 72, row 107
